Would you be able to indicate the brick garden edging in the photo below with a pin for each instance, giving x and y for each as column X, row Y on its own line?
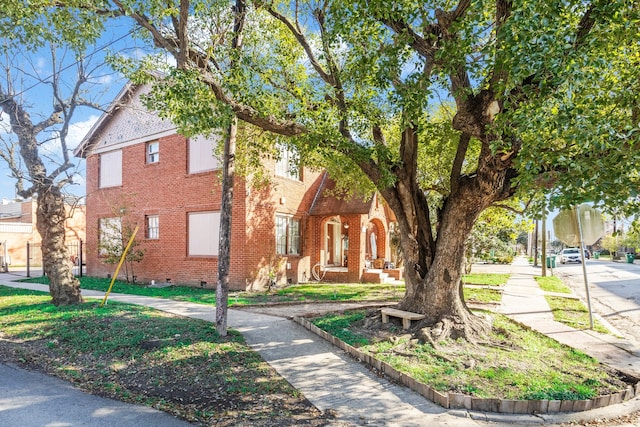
column 463, row 401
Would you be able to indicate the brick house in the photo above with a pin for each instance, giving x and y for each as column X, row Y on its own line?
column 18, row 223
column 139, row 170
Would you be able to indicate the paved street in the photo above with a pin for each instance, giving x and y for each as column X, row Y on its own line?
column 614, row 289
column 33, row 399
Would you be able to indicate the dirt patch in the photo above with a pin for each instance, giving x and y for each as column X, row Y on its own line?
column 192, row 390
column 630, row 420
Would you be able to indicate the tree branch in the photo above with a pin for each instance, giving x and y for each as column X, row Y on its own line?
column 168, row 44
column 458, row 161
column 511, row 208
column 304, row 43
column 500, row 73
column 53, row 119
column 182, row 33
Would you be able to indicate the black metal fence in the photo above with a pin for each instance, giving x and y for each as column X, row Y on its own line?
column 76, row 256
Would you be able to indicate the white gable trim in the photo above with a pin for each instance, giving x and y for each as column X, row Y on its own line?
column 101, row 148
column 126, row 122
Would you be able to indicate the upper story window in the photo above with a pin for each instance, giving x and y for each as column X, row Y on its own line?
column 201, row 154
column 288, row 164
column 153, row 152
column 110, row 169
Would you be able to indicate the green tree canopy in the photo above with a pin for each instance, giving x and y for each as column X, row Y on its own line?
column 542, row 96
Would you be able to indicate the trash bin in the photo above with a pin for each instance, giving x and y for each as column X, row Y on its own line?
column 551, row 261
column 630, row 258
column 596, row 255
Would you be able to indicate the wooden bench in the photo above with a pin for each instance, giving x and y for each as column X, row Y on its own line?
column 406, row 316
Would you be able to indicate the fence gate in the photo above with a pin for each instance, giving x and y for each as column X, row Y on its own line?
column 76, row 256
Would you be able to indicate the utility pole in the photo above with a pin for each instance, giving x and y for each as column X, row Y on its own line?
column 544, row 245
column 535, row 246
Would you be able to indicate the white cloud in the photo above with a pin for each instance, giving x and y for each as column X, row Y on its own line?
column 139, row 54
column 136, row 54
column 40, row 64
column 78, row 179
column 106, row 79
column 78, row 130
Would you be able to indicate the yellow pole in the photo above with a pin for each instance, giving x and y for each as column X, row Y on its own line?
column 124, row 254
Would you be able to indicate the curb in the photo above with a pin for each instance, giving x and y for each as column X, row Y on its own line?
column 462, row 401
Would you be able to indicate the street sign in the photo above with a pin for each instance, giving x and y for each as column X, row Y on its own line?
column 565, row 225
column 580, row 226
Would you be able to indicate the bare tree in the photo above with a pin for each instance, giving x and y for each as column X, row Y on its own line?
column 36, row 147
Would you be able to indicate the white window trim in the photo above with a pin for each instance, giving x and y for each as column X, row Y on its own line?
column 289, row 244
column 288, row 163
column 156, row 228
column 152, row 157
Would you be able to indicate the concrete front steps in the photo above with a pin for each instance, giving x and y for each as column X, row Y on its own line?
column 377, row 275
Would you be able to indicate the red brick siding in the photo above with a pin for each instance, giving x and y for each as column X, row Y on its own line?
column 285, row 197
column 166, row 189
column 17, row 242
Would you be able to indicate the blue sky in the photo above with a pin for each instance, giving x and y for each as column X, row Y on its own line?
column 37, row 97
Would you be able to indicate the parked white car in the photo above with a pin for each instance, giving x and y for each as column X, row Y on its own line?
column 570, row 255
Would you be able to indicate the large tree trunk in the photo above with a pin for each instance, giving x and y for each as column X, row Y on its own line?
column 226, row 210
column 51, row 217
column 228, row 174
column 438, row 293
column 434, row 266
column 50, row 214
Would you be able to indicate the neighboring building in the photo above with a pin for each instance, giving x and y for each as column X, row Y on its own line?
column 141, row 171
column 18, row 228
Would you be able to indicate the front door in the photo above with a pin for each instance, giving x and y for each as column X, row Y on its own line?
column 333, row 243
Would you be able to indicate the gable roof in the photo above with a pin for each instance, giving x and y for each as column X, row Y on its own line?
column 135, row 120
column 328, row 204
column 10, row 209
column 89, row 139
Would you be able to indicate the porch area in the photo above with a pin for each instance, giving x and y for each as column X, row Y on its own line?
column 369, row 275
column 351, row 238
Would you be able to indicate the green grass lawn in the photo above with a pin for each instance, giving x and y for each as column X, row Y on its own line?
column 343, row 292
column 573, row 313
column 507, row 365
column 488, row 279
column 141, row 355
column 181, row 293
column 569, row 311
column 299, row 293
column 512, row 363
column 552, row 284
column 318, row 292
column 480, row 295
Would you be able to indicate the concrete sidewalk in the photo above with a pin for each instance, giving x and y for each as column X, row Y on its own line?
column 525, row 302
column 333, row 381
